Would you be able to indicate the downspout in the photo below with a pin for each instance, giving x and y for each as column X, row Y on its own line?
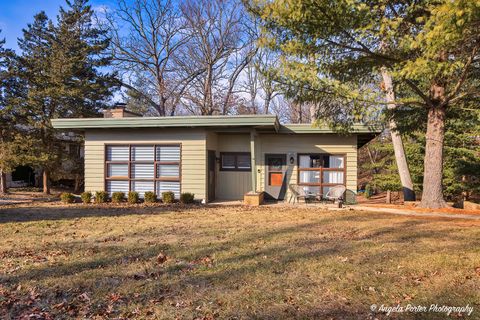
column 252, row 159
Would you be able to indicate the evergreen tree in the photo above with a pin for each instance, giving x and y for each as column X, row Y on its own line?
column 14, row 148
column 461, row 164
column 60, row 65
column 430, row 48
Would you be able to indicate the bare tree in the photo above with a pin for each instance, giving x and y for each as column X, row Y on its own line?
column 146, row 37
column 265, row 64
column 222, row 46
column 259, row 84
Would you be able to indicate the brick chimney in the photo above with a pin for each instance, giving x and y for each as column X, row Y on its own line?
column 119, row 111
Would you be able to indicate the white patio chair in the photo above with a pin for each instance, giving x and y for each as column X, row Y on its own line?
column 335, row 193
column 298, row 192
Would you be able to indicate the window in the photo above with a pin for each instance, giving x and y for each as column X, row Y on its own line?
column 319, row 172
column 143, row 168
column 235, row 161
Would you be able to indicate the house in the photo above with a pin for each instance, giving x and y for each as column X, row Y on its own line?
column 214, row 157
column 67, row 173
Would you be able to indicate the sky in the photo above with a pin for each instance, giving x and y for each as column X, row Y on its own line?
column 16, row 14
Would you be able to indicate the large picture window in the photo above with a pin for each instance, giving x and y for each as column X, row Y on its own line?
column 143, row 168
column 235, row 161
column 319, row 172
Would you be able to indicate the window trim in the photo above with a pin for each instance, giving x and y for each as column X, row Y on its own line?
column 321, row 169
column 130, row 162
column 236, row 154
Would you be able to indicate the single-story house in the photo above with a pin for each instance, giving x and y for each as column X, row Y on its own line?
column 214, row 157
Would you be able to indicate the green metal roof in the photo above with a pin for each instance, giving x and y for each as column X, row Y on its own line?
column 265, row 123
column 364, row 133
column 308, row 128
column 254, row 121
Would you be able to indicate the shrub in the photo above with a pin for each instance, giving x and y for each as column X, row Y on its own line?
column 118, row 197
column 150, row 197
column 67, row 197
column 86, row 197
column 368, row 191
column 168, row 197
column 133, row 197
column 187, row 197
column 101, row 197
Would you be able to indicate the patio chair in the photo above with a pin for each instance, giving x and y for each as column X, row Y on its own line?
column 336, row 194
column 298, row 192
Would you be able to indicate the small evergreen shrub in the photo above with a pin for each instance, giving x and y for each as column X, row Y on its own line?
column 168, row 197
column 368, row 191
column 150, row 197
column 101, row 197
column 67, row 197
column 187, row 197
column 118, row 197
column 133, row 197
column 86, row 197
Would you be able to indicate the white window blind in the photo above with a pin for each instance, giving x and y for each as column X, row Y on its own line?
column 168, row 170
column 142, row 153
column 164, row 186
column 142, row 171
column 168, row 153
column 142, row 186
column 117, row 186
column 333, row 177
column 118, row 153
column 117, row 170
column 141, row 161
column 309, row 176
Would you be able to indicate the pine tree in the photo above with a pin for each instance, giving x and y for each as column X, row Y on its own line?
column 461, row 163
column 431, row 49
column 13, row 146
column 60, row 65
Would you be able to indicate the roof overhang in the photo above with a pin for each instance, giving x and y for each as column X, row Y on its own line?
column 260, row 122
column 364, row 133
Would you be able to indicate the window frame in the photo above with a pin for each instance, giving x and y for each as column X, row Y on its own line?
column 236, row 154
column 155, row 163
column 321, row 170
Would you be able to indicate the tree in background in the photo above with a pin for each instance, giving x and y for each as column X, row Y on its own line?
column 461, row 177
column 430, row 48
column 60, row 65
column 221, row 43
column 146, row 38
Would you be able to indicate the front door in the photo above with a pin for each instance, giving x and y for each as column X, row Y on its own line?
column 275, row 180
column 211, row 175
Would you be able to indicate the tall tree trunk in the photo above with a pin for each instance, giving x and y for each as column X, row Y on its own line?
column 208, row 98
column 3, row 182
column 400, row 158
column 313, row 112
column 46, row 181
column 266, row 107
column 432, row 196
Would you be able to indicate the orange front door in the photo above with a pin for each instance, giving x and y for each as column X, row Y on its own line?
column 275, row 184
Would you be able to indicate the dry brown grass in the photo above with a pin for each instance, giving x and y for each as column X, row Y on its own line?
column 230, row 262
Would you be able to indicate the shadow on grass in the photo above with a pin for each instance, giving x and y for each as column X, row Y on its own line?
column 38, row 213
column 282, row 250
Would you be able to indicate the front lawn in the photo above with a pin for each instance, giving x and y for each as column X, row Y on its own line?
column 231, row 262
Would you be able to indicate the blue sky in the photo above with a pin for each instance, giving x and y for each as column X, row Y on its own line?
column 16, row 14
